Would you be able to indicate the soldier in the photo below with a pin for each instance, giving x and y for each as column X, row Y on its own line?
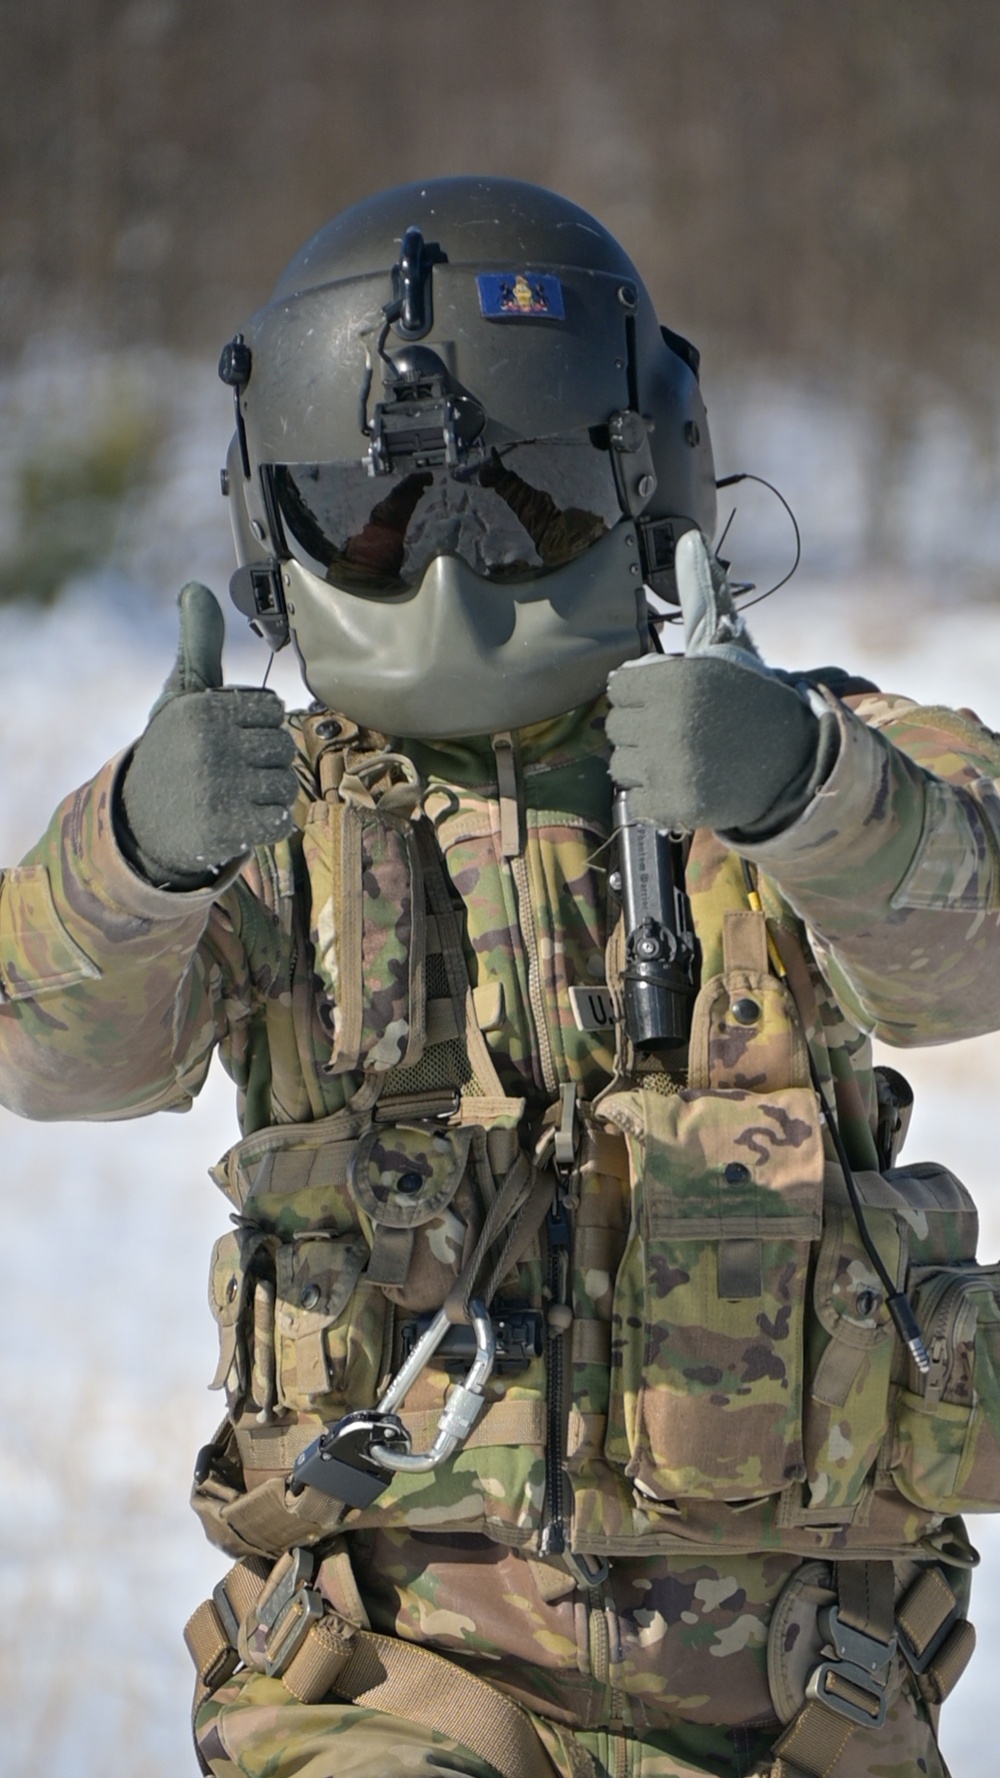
column 600, row 1398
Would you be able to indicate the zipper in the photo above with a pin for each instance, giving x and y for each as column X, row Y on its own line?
column 536, row 995
column 553, row 1538
column 948, row 1318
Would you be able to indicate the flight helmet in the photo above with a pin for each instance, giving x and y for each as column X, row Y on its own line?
column 464, row 448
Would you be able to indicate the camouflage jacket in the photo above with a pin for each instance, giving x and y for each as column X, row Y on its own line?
column 399, row 1002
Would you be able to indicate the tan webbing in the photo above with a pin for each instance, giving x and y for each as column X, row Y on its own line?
column 815, row 1741
column 866, row 1592
column 928, row 1604
column 744, row 942
column 405, row 1680
column 210, row 1649
column 811, row 1746
column 377, row 1673
column 511, row 833
column 921, row 1616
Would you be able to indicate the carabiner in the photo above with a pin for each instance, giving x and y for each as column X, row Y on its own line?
column 463, row 1407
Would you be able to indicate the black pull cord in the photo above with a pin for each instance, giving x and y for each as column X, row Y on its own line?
column 898, row 1305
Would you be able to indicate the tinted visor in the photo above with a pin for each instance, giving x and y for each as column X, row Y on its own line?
column 511, row 512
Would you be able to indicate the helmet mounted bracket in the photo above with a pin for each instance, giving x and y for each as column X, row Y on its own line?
column 256, row 589
column 632, row 460
column 411, row 284
column 235, row 365
column 257, row 592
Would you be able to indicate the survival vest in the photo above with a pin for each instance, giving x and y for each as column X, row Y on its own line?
column 694, row 1348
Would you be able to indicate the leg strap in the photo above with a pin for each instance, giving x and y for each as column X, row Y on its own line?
column 848, row 1692
column 271, row 1620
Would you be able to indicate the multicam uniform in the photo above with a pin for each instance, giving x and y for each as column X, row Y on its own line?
column 711, row 1408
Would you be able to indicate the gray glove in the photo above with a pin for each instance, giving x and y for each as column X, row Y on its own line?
column 211, row 776
column 714, row 738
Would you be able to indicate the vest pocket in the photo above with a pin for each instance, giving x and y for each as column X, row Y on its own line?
column 708, row 1321
column 850, row 1351
column 946, row 1428
column 329, row 1324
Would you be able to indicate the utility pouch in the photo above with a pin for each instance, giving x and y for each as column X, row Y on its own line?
column 946, row 1430
column 412, row 1183
column 329, row 1324
column 233, row 1275
column 917, row 1216
column 709, row 1310
column 368, row 932
column 850, row 1343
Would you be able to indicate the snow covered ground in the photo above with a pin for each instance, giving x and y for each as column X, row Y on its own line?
column 108, row 1340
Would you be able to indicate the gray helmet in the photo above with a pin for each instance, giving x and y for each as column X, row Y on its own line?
column 463, row 445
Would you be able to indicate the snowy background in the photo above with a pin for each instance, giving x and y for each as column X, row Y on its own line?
column 107, row 1228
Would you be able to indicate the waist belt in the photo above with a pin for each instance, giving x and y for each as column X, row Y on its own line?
column 269, row 1619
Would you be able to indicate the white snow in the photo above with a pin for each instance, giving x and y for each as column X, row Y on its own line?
column 108, row 1340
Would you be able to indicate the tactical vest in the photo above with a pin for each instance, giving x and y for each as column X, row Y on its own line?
column 695, row 1349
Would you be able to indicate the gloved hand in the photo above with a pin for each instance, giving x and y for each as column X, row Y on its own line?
column 211, row 776
column 714, row 738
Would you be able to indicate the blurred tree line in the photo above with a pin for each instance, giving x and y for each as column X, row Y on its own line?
column 808, row 188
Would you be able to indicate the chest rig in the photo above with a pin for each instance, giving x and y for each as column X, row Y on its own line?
column 609, row 1315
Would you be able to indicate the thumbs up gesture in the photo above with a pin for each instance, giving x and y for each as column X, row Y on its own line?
column 714, row 738
column 211, row 776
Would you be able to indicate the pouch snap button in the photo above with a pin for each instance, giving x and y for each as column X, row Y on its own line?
column 309, row 1296
column 409, row 1182
column 735, row 1173
column 745, row 1011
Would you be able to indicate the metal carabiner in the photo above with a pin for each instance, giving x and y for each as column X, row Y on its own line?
column 463, row 1407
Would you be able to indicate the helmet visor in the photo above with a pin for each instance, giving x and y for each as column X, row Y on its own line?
column 511, row 512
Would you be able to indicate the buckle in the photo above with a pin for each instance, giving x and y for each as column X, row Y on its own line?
column 285, row 1613
column 854, row 1684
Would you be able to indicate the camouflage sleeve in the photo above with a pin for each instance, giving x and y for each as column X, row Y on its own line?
column 111, row 991
column 895, row 869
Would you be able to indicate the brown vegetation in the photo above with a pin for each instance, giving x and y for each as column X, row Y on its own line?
column 809, row 188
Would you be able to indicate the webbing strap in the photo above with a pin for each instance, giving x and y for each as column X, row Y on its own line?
column 948, row 1665
column 937, row 1645
column 408, row 1681
column 812, row 1744
column 867, row 1598
column 511, row 832
column 376, row 1672
column 744, row 941
column 517, row 1190
column 936, row 1642
column 210, row 1649
column 924, row 1611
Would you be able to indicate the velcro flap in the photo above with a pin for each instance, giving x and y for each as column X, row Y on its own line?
column 228, row 1285
column 402, row 1175
column 724, row 1163
column 315, row 1277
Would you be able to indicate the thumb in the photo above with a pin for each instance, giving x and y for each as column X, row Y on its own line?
column 198, row 666
column 712, row 624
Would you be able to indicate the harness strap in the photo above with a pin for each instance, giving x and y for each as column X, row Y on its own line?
column 511, row 826
column 848, row 1692
column 290, row 1631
